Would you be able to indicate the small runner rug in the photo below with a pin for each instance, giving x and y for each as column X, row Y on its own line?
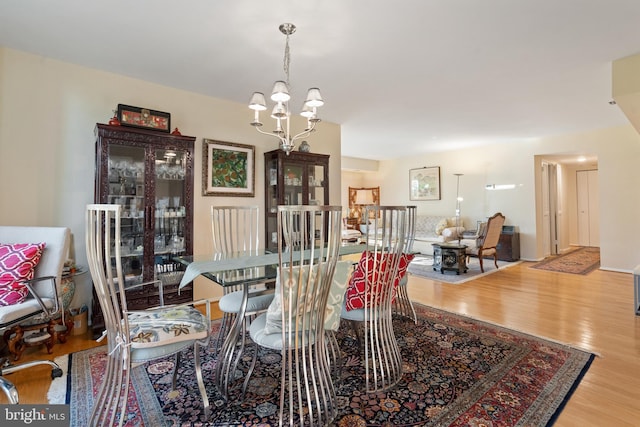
column 422, row 266
column 580, row 261
column 457, row 372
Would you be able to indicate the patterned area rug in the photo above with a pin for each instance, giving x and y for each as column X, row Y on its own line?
column 457, row 372
column 580, row 261
column 423, row 266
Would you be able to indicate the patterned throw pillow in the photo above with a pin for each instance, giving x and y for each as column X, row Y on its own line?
column 355, row 298
column 441, row 225
column 334, row 303
column 17, row 264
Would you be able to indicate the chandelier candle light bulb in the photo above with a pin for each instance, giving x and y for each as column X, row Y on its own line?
column 280, row 95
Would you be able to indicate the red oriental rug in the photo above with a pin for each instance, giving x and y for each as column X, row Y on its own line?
column 579, row 261
column 457, row 372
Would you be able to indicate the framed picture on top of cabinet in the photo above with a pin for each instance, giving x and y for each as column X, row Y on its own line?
column 228, row 169
column 424, row 183
column 144, row 118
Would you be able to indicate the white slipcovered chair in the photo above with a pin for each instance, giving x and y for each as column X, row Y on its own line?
column 41, row 305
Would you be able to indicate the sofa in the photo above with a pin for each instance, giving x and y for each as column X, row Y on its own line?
column 435, row 229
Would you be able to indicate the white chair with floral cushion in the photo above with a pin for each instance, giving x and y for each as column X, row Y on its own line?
column 135, row 337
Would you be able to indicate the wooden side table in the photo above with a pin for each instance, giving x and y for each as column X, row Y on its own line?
column 449, row 256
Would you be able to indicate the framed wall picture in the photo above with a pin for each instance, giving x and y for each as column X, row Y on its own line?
column 144, row 118
column 424, row 183
column 228, row 169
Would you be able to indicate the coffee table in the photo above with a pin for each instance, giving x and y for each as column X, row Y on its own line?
column 449, row 256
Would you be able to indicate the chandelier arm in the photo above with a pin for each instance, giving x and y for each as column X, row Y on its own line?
column 304, row 133
column 270, row 134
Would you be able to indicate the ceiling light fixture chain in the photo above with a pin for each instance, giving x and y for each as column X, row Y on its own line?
column 287, row 29
column 281, row 112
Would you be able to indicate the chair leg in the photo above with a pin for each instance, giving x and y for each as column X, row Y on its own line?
column 480, row 258
column 10, row 390
column 15, row 345
column 174, row 377
column 203, row 390
column 495, row 259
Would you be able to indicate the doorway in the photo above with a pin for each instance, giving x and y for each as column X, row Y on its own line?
column 558, row 217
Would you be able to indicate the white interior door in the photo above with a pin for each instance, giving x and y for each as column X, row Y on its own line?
column 546, row 212
column 588, row 212
column 553, row 208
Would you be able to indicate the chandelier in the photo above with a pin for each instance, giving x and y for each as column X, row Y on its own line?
column 281, row 112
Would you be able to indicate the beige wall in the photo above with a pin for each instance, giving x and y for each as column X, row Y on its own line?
column 48, row 112
column 618, row 152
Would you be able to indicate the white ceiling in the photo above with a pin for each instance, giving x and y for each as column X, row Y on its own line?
column 403, row 77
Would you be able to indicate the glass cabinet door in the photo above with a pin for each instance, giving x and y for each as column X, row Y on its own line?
column 293, row 179
column 170, row 211
column 316, row 183
column 126, row 188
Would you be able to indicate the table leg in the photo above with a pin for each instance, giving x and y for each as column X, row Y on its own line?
column 227, row 357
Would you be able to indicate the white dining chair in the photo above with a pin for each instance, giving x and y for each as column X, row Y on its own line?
column 309, row 239
column 234, row 229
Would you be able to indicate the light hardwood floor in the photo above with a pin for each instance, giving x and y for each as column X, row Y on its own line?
column 593, row 312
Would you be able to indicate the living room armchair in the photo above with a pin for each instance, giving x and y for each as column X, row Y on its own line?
column 33, row 298
column 487, row 242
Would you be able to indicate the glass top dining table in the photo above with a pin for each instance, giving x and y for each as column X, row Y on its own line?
column 244, row 269
column 240, row 267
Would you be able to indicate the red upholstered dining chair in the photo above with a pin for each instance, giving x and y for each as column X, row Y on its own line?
column 402, row 305
column 487, row 242
column 371, row 292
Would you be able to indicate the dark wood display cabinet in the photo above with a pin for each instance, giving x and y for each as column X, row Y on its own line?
column 150, row 174
column 508, row 247
column 296, row 178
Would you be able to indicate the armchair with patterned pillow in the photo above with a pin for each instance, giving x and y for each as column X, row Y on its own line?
column 31, row 263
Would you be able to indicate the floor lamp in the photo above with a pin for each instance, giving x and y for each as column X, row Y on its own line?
column 458, row 201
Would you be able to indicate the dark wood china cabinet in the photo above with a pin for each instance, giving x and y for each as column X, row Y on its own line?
column 297, row 178
column 150, row 174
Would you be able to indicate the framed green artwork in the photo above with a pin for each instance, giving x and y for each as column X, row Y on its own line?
column 228, row 169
